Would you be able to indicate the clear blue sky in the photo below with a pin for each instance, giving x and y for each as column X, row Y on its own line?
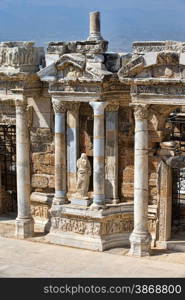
column 123, row 21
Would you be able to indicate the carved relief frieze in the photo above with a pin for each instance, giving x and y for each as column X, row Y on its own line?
column 143, row 47
column 158, row 90
column 18, row 56
column 120, row 224
column 64, row 87
column 41, row 211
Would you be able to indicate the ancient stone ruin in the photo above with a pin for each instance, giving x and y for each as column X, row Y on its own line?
column 124, row 111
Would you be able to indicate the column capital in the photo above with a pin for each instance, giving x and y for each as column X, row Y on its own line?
column 59, row 106
column 21, row 106
column 112, row 107
column 98, row 107
column 141, row 111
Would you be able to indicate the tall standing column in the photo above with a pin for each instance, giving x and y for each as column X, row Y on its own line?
column 24, row 221
column 140, row 238
column 111, row 153
column 60, row 153
column 72, row 144
column 98, row 155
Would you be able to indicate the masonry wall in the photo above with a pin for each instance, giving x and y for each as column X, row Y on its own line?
column 42, row 146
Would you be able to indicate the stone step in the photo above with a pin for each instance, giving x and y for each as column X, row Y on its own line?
column 176, row 245
column 7, row 225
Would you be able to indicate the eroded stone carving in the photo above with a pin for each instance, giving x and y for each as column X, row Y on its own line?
column 157, row 89
column 40, row 211
column 141, row 112
column 83, row 176
column 120, row 224
column 18, row 54
column 59, row 106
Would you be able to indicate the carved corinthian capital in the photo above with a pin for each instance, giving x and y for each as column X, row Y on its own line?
column 21, row 107
column 141, row 112
column 59, row 106
column 112, row 107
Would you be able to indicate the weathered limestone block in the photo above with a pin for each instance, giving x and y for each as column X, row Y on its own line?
column 84, row 47
column 95, row 230
column 43, row 182
column 39, row 181
column 43, row 163
column 41, row 135
column 20, row 56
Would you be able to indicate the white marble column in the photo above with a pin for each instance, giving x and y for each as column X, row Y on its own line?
column 24, row 221
column 72, row 144
column 111, row 154
column 60, row 153
column 140, row 238
column 98, row 155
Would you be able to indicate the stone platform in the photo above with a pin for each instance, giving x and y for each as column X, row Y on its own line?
column 81, row 227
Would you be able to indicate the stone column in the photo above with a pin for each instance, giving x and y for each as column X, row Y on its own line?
column 98, row 155
column 95, row 31
column 60, row 153
column 111, row 154
column 140, row 238
column 24, row 221
column 72, row 144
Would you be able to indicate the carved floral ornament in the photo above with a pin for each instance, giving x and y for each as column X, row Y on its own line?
column 61, row 106
column 112, row 107
column 141, row 112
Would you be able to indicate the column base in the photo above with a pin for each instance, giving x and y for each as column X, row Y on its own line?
column 140, row 244
column 95, row 206
column 60, row 200
column 24, row 228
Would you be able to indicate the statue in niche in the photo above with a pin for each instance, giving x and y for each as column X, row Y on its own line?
column 83, row 176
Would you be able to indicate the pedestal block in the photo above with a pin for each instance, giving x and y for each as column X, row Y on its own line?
column 78, row 226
